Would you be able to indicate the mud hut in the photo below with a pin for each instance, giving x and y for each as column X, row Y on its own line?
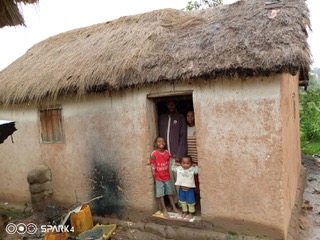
column 10, row 14
column 86, row 104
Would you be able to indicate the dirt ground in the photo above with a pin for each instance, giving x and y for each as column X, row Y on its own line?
column 123, row 233
column 309, row 220
column 310, row 217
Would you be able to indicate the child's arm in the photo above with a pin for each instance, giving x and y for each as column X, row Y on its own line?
column 174, row 168
column 195, row 169
column 153, row 164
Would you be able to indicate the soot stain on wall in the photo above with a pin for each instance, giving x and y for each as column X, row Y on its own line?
column 106, row 183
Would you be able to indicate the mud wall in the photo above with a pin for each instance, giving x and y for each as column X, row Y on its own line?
column 240, row 154
column 20, row 157
column 291, row 154
column 106, row 153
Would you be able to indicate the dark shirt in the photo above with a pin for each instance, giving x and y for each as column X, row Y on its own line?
column 177, row 139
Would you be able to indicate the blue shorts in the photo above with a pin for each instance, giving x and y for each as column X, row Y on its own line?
column 187, row 196
column 164, row 188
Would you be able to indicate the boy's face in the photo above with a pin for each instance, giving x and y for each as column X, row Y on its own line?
column 160, row 143
column 186, row 163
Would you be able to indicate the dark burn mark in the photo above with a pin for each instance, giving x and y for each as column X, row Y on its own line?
column 105, row 183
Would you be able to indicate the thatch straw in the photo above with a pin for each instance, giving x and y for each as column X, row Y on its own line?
column 10, row 14
column 26, row 1
column 163, row 45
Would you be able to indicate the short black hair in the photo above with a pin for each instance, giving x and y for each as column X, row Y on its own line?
column 188, row 156
column 156, row 139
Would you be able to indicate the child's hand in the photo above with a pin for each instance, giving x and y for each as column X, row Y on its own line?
column 178, row 164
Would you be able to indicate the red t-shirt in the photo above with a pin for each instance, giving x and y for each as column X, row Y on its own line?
column 160, row 165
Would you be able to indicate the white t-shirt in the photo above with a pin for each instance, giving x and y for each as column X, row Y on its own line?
column 185, row 177
column 191, row 131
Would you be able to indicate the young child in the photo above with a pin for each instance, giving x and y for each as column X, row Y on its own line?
column 185, row 181
column 159, row 160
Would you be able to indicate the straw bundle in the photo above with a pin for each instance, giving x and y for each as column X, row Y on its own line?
column 10, row 14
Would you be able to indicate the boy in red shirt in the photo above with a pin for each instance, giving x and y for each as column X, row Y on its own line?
column 159, row 160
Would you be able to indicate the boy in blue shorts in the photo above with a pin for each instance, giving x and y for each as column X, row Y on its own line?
column 185, row 181
column 159, row 161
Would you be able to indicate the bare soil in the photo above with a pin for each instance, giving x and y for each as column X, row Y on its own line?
column 124, row 233
column 310, row 217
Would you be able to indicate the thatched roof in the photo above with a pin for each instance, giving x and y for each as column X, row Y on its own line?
column 10, row 14
column 164, row 45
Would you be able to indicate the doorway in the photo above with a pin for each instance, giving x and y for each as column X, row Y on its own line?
column 184, row 104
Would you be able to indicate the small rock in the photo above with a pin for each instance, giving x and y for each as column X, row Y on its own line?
column 307, row 207
column 316, row 191
column 302, row 227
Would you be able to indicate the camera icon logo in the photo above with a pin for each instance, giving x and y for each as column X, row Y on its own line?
column 31, row 228
column 11, row 228
column 21, row 228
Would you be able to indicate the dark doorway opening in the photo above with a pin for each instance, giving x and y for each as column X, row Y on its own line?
column 184, row 104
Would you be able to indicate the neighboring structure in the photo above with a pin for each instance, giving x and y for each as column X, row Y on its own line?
column 86, row 104
column 10, row 14
column 7, row 128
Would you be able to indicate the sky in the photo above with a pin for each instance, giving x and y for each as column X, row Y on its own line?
column 51, row 17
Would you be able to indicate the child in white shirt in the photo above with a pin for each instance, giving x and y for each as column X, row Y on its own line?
column 185, row 181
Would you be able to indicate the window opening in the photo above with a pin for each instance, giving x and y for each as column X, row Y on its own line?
column 51, row 125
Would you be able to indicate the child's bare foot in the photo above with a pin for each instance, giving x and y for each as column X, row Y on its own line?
column 190, row 216
column 176, row 210
column 165, row 214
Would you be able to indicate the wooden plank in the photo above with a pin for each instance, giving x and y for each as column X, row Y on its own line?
column 169, row 94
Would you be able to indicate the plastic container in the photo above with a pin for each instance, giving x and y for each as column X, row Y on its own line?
column 93, row 234
column 56, row 236
column 107, row 229
column 81, row 221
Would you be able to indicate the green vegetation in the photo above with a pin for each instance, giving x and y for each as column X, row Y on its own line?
column 310, row 117
column 311, row 148
column 15, row 213
column 311, row 179
column 231, row 235
column 194, row 5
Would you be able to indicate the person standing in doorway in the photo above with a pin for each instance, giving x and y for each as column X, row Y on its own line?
column 173, row 128
column 191, row 136
column 159, row 161
column 192, row 150
column 185, row 180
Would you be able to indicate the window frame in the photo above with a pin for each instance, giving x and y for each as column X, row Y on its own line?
column 51, row 125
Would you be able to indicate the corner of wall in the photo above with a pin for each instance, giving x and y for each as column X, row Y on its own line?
column 291, row 153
